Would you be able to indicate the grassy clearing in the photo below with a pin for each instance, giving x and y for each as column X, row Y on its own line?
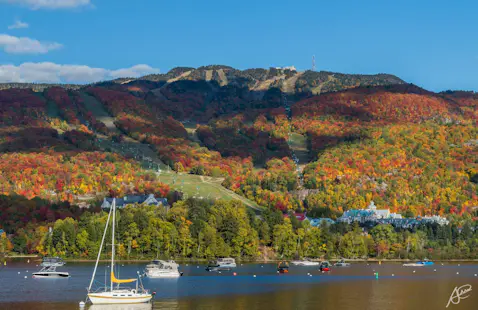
column 298, row 143
column 202, row 187
column 99, row 112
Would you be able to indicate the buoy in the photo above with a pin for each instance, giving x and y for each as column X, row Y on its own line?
column 82, row 304
column 434, row 270
column 376, row 275
column 310, row 275
column 413, row 271
column 25, row 277
column 254, row 276
column 393, row 275
column 187, row 265
column 19, row 272
column 235, row 274
column 262, row 266
column 458, row 264
column 476, row 275
column 27, row 270
column 197, row 267
column 219, row 272
column 457, row 272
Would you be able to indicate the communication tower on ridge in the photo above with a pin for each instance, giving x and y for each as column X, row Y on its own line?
column 313, row 62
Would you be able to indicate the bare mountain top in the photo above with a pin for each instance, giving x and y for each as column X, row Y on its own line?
column 288, row 80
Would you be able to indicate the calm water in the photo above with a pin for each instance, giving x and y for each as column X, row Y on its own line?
column 343, row 288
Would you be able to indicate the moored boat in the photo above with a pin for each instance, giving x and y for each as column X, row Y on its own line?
column 304, row 262
column 324, row 266
column 341, row 263
column 222, row 264
column 283, row 267
column 423, row 263
column 162, row 269
column 114, row 294
column 50, row 273
column 52, row 262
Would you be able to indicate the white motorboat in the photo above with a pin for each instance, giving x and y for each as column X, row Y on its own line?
column 342, row 263
column 162, row 269
column 50, row 273
column 413, row 265
column 114, row 294
column 226, row 263
column 304, row 262
column 52, row 262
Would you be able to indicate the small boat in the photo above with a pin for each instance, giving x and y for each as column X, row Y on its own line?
column 419, row 264
column 324, row 266
column 50, row 273
column 113, row 293
column 222, row 264
column 342, row 263
column 52, row 262
column 426, row 262
column 162, row 269
column 304, row 262
column 283, row 267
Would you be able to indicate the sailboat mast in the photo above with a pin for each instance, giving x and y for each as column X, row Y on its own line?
column 99, row 251
column 113, row 241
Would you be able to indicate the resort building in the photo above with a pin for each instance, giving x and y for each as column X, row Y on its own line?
column 373, row 216
column 146, row 200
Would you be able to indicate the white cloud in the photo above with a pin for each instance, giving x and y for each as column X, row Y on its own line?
column 49, row 4
column 18, row 25
column 23, row 45
column 48, row 72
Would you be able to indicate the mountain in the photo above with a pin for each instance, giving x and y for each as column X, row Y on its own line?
column 261, row 133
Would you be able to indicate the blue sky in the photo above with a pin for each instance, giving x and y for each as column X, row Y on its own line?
column 433, row 44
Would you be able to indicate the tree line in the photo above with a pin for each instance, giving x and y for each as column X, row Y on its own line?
column 200, row 229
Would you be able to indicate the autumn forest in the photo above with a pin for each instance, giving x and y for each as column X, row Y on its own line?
column 273, row 142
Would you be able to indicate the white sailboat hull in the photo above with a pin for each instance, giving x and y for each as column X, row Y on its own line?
column 119, row 298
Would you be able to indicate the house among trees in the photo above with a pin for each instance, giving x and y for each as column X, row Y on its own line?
column 317, row 222
column 146, row 200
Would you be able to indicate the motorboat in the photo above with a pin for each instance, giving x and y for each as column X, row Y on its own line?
column 304, row 262
column 324, row 266
column 52, row 262
column 283, row 267
column 50, row 273
column 162, row 269
column 113, row 293
column 222, row 264
column 423, row 263
column 342, row 263
column 426, row 262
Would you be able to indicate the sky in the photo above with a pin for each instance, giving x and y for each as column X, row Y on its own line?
column 433, row 44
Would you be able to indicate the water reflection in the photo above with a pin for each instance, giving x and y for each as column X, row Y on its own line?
column 145, row 306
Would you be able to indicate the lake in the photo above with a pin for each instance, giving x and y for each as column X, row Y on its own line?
column 344, row 288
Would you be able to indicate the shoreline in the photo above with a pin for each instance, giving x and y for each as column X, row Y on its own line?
column 263, row 261
column 270, row 261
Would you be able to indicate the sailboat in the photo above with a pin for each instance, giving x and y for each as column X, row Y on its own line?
column 114, row 294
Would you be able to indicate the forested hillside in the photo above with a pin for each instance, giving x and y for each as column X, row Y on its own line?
column 361, row 138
